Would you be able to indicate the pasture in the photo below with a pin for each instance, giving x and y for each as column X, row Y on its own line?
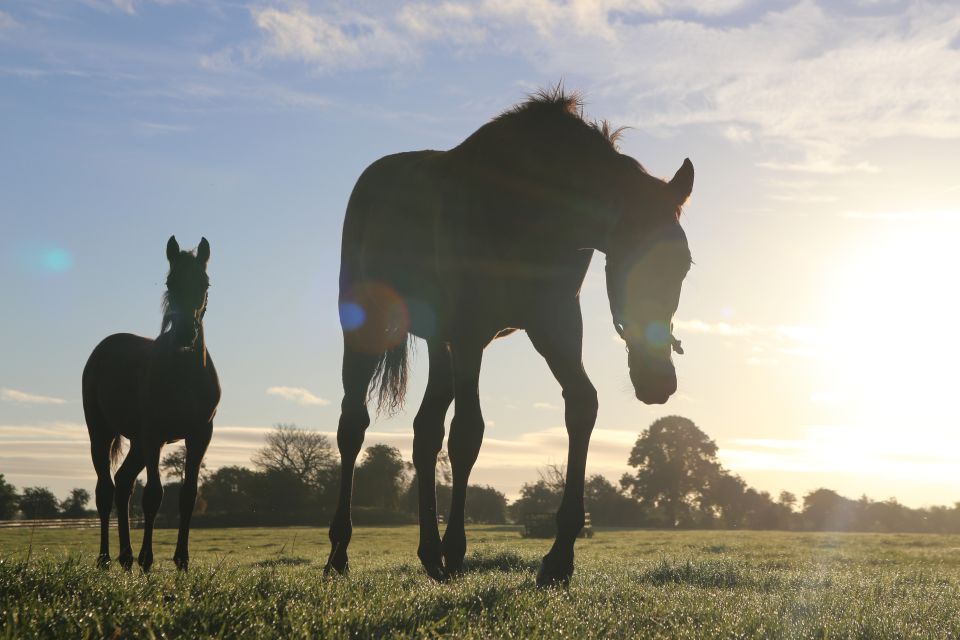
column 262, row 583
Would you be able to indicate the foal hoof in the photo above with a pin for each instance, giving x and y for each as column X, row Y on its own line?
column 181, row 563
column 126, row 560
column 103, row 561
column 554, row 573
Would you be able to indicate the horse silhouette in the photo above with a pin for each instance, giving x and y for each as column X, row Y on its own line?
column 153, row 392
column 463, row 246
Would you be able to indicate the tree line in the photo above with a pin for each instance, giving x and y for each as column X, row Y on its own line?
column 676, row 482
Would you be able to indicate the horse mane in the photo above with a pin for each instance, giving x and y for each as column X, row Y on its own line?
column 555, row 101
column 166, row 323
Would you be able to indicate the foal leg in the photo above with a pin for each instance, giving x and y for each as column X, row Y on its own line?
column 152, row 497
column 100, row 452
column 427, row 442
column 561, row 343
column 125, row 477
column 358, row 369
column 196, row 444
column 466, row 435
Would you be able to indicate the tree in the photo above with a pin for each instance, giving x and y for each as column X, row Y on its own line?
column 231, row 490
column 675, row 463
column 380, row 478
column 607, row 505
column 536, row 499
column 8, row 499
column 174, row 465
column 826, row 510
column 485, row 504
column 39, row 502
column 75, row 506
column 306, row 454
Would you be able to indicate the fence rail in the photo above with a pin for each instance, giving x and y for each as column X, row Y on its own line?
column 62, row 523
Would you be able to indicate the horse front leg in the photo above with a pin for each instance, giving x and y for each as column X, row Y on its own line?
column 152, row 497
column 466, row 436
column 196, row 445
column 427, row 442
column 560, row 343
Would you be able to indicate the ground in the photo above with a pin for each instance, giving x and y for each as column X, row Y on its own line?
column 262, row 583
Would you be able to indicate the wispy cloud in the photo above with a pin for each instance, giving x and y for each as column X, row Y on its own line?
column 22, row 397
column 811, row 75
column 546, row 406
column 7, row 21
column 298, row 395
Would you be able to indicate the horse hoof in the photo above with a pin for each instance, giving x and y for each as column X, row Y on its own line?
column 181, row 563
column 126, row 561
column 331, row 569
column 103, row 561
column 145, row 563
column 436, row 572
column 554, row 574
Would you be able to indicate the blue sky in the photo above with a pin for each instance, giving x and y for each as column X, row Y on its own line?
column 818, row 321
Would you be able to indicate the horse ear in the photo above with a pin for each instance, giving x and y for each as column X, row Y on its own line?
column 173, row 249
column 203, row 251
column 682, row 183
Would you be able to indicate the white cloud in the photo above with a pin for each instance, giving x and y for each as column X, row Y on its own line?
column 7, row 21
column 545, row 406
column 298, row 395
column 330, row 41
column 811, row 76
column 22, row 397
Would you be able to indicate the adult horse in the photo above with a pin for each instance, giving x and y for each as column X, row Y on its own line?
column 467, row 245
column 153, row 392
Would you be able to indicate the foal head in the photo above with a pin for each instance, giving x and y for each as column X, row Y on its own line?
column 647, row 260
column 185, row 301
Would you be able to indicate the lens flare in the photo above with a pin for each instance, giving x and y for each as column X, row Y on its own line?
column 352, row 316
column 657, row 334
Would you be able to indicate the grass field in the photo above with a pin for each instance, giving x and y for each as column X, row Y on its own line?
column 262, row 583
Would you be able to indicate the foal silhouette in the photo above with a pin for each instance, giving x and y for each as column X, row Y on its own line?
column 153, row 392
column 465, row 246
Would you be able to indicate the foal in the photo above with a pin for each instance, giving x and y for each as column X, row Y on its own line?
column 153, row 392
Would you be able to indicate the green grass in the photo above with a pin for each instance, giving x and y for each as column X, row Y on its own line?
column 263, row 583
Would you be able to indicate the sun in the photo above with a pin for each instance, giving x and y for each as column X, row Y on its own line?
column 891, row 328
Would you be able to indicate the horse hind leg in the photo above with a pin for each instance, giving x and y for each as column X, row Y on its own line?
column 124, row 478
column 427, row 442
column 104, row 448
column 101, row 449
column 358, row 369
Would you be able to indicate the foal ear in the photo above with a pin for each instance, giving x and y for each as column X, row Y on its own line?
column 203, row 251
column 682, row 183
column 173, row 249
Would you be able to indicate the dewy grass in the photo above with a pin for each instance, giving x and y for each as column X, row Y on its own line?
column 255, row 583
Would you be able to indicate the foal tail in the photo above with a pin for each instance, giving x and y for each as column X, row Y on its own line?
column 389, row 382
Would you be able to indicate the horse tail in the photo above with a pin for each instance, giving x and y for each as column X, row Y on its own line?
column 389, row 382
column 116, row 448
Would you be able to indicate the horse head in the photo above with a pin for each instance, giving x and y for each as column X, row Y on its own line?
column 186, row 298
column 647, row 260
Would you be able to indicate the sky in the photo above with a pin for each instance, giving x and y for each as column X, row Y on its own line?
column 820, row 320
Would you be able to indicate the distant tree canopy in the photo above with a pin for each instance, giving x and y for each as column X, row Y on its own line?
column 39, row 502
column 381, row 477
column 306, row 454
column 675, row 464
column 9, row 500
column 75, row 506
column 174, row 464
